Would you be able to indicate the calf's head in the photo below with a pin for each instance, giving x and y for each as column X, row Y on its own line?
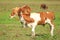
column 15, row 11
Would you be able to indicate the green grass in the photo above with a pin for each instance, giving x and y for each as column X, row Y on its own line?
column 10, row 29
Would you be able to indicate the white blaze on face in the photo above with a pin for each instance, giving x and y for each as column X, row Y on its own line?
column 11, row 17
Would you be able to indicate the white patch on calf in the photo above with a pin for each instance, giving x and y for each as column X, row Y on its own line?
column 35, row 16
column 23, row 21
column 47, row 12
column 47, row 21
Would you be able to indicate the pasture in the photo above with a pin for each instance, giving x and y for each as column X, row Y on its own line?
column 10, row 29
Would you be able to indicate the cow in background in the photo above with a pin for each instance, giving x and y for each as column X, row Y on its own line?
column 44, row 6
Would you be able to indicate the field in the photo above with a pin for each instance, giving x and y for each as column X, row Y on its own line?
column 10, row 29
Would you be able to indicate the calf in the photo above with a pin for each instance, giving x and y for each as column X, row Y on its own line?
column 34, row 19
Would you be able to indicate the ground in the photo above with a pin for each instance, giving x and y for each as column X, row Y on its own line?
column 11, row 29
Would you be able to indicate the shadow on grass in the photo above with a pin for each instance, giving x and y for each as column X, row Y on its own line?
column 43, row 37
column 37, row 35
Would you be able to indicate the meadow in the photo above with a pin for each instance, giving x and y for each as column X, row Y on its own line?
column 11, row 29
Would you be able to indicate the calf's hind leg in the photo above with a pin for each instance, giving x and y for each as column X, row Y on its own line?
column 51, row 26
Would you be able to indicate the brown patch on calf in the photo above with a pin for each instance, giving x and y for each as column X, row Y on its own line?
column 26, row 9
column 43, row 18
column 50, row 15
column 26, row 13
column 27, row 18
column 45, row 15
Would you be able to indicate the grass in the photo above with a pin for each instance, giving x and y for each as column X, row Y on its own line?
column 10, row 29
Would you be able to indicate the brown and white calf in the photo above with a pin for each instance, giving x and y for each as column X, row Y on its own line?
column 34, row 19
